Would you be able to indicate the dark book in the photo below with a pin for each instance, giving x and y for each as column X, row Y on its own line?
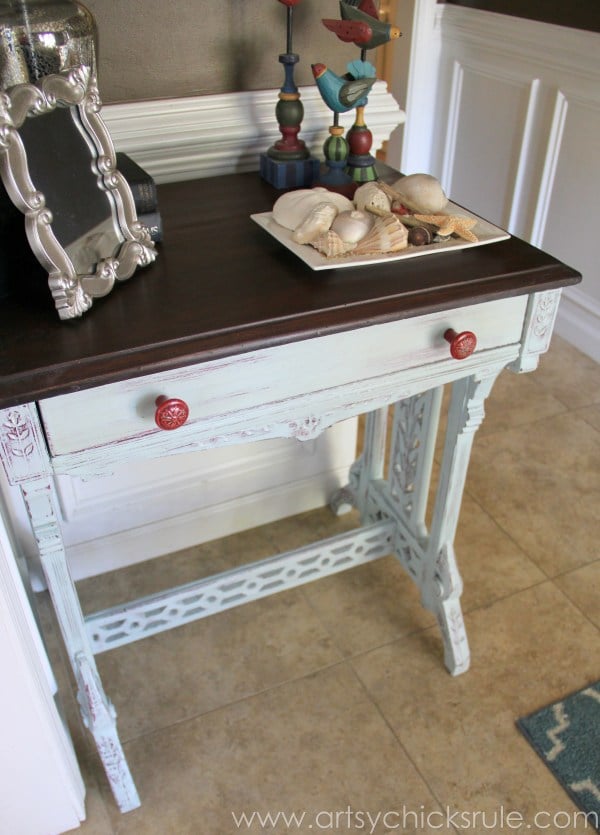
column 21, row 274
column 141, row 183
column 154, row 223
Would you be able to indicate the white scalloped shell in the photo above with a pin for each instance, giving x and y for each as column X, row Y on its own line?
column 352, row 226
column 290, row 209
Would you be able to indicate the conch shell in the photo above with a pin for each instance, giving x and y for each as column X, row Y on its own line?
column 331, row 245
column 316, row 223
column 369, row 197
column 388, row 234
column 420, row 193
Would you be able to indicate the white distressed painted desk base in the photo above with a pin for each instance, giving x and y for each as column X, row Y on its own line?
column 392, row 510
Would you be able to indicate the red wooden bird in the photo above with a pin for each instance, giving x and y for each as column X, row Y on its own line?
column 368, row 7
column 357, row 32
column 365, row 11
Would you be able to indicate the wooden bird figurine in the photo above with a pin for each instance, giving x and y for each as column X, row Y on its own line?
column 364, row 11
column 366, row 6
column 342, row 93
column 350, row 31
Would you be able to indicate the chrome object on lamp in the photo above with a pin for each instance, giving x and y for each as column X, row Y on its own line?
column 44, row 37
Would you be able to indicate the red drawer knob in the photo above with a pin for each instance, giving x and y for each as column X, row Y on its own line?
column 462, row 344
column 171, row 412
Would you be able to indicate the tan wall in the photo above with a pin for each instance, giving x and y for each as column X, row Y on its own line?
column 155, row 49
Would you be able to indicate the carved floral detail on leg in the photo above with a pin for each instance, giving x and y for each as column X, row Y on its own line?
column 23, row 446
column 543, row 317
column 539, row 323
column 99, row 717
column 17, row 435
column 457, row 656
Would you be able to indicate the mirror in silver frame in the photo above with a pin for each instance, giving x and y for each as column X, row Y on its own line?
column 58, row 166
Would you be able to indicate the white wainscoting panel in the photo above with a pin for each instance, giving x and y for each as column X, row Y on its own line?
column 516, row 138
column 201, row 136
column 486, row 123
column 413, row 153
column 152, row 508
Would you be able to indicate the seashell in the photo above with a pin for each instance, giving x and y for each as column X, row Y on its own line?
column 370, row 197
column 387, row 234
column 290, row 209
column 420, row 193
column 330, row 244
column 340, row 201
column 419, row 236
column 317, row 221
column 352, row 226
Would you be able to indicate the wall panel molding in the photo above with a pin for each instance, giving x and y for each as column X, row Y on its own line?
column 539, row 43
column 527, row 160
column 454, row 104
column 520, row 186
column 552, row 155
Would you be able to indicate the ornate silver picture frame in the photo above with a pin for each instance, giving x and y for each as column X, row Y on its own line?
column 58, row 165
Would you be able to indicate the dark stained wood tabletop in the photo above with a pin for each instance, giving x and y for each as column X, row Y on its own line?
column 221, row 285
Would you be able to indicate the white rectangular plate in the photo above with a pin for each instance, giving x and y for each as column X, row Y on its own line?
column 485, row 231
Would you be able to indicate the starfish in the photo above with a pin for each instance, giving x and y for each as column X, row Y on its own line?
column 452, row 225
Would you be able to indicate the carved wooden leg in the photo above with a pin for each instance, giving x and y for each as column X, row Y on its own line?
column 403, row 496
column 97, row 712
column 368, row 466
column 440, row 581
column 414, row 433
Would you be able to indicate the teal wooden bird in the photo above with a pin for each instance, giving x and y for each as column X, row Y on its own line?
column 343, row 92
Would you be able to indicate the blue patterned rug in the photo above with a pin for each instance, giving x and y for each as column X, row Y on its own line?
column 566, row 735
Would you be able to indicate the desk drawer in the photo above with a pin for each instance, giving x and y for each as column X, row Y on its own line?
column 228, row 389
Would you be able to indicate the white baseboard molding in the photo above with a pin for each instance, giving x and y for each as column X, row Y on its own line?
column 202, row 136
column 87, row 559
column 578, row 322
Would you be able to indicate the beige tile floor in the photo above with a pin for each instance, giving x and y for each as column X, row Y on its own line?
column 333, row 699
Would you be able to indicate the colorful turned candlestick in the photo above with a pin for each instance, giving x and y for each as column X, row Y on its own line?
column 335, row 149
column 287, row 163
column 361, row 164
column 342, row 93
column 361, row 26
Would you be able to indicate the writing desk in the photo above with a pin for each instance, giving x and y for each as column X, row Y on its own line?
column 259, row 346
